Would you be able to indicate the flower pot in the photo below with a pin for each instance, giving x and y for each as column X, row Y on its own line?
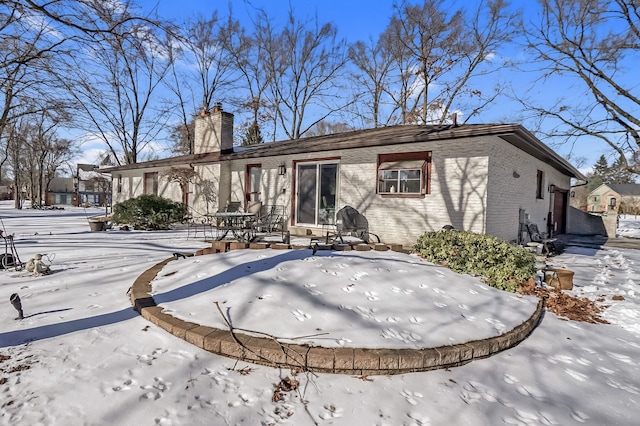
column 560, row 279
column 97, row 226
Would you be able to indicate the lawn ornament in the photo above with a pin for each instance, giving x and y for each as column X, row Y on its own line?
column 37, row 266
column 15, row 301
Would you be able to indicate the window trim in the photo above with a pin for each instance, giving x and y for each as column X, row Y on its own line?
column 422, row 159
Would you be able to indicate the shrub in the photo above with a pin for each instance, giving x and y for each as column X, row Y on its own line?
column 149, row 212
column 501, row 264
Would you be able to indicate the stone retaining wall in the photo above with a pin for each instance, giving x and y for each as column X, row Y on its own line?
column 267, row 351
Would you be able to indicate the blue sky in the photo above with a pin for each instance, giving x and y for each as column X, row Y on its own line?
column 360, row 19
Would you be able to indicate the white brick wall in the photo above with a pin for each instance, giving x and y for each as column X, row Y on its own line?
column 473, row 187
column 507, row 193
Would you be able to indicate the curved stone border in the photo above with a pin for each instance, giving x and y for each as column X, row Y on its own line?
column 267, row 351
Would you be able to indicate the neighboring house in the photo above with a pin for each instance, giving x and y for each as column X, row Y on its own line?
column 5, row 192
column 93, row 186
column 608, row 198
column 60, row 191
column 404, row 179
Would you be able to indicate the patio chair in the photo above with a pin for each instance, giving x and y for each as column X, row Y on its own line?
column 350, row 222
column 270, row 220
column 536, row 236
column 233, row 206
column 197, row 222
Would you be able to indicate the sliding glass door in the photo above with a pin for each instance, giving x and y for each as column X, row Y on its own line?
column 316, row 193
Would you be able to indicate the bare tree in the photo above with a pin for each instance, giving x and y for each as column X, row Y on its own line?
column 439, row 51
column 593, row 45
column 304, row 65
column 324, row 127
column 373, row 61
column 27, row 54
column 249, row 55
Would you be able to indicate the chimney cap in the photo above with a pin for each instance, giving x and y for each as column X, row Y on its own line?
column 217, row 107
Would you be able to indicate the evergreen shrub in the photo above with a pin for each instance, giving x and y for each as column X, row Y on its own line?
column 149, row 212
column 501, row 264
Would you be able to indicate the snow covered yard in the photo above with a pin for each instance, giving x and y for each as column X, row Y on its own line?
column 83, row 356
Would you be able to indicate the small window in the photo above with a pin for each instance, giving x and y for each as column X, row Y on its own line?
column 403, row 174
column 254, row 182
column 540, row 185
column 119, row 183
column 151, row 183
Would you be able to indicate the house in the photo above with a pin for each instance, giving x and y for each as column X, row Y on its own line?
column 92, row 186
column 614, row 198
column 60, row 191
column 408, row 179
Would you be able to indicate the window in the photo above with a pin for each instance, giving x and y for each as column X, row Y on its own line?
column 151, row 183
column 540, row 185
column 404, row 174
column 119, row 183
column 254, row 174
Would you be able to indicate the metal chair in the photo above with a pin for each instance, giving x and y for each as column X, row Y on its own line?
column 536, row 236
column 351, row 222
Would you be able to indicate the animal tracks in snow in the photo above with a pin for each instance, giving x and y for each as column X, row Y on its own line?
column 300, row 315
column 410, row 396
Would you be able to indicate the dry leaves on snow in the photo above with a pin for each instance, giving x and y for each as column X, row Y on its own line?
column 564, row 305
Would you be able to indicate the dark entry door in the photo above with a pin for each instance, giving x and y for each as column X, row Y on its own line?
column 560, row 211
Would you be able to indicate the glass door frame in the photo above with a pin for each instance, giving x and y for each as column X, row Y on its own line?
column 318, row 181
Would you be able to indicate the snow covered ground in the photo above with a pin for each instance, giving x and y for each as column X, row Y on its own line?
column 83, row 356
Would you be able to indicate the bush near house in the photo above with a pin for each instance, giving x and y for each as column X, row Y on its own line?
column 149, row 212
column 501, row 264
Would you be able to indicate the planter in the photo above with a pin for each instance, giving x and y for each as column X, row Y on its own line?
column 97, row 226
column 560, row 279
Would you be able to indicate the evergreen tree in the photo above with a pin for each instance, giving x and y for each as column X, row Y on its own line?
column 253, row 135
column 603, row 173
column 619, row 174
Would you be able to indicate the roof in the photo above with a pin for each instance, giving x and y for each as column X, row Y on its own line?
column 628, row 189
column 514, row 134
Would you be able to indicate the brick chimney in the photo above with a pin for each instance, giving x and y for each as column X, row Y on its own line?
column 214, row 131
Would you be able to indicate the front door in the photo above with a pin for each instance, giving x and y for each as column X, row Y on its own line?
column 316, row 193
column 559, row 211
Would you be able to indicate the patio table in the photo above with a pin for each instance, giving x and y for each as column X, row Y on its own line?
column 234, row 222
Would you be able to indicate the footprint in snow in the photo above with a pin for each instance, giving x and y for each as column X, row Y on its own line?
column 532, row 392
column 125, row 386
column 300, row 315
column 358, row 276
column 347, row 289
column 372, row 295
column 410, row 396
column 619, row 357
column 463, row 307
column 416, row 320
column 623, row 386
column 331, row 412
column 440, row 305
column 578, row 376
column 342, row 341
column 579, row 416
column 509, row 379
column 472, row 291
column 328, row 272
column 419, row 418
